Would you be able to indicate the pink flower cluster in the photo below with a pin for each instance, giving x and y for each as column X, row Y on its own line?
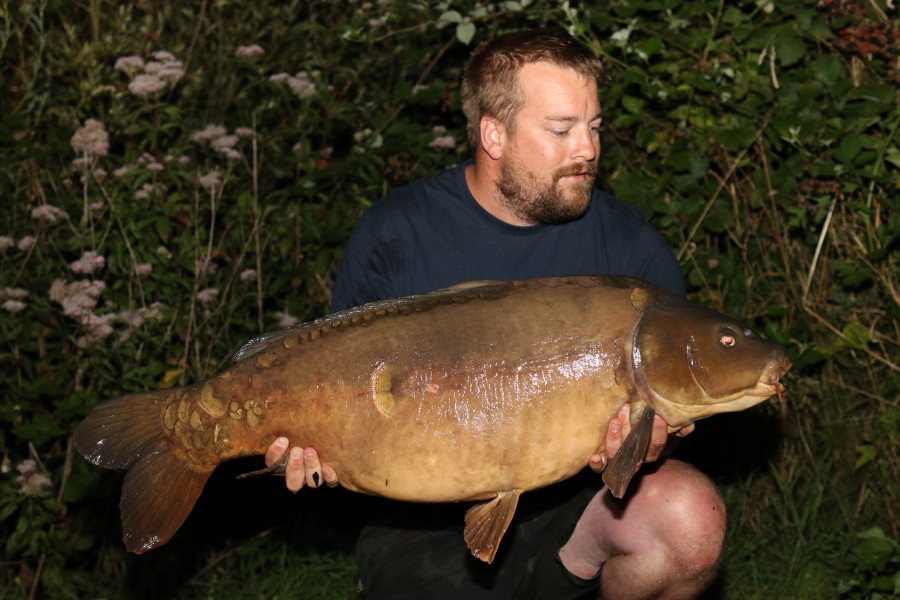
column 89, row 263
column 442, row 140
column 91, row 141
column 13, row 299
column 136, row 318
column 211, row 182
column 220, row 140
column 205, row 296
column 301, row 84
column 152, row 77
column 147, row 190
column 149, row 162
column 49, row 214
column 79, row 299
column 133, row 319
column 250, row 51
column 25, row 244
column 209, row 133
column 33, row 480
column 286, row 319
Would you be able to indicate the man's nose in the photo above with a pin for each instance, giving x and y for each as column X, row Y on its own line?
column 587, row 144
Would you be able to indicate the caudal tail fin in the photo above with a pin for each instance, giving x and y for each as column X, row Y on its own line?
column 159, row 490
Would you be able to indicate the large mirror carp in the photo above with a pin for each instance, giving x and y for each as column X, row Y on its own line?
column 451, row 396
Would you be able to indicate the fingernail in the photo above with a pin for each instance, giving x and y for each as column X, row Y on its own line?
column 281, row 442
column 296, row 454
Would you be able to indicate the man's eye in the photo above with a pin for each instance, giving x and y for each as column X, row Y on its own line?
column 559, row 132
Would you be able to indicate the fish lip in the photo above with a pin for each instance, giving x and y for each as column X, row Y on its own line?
column 784, row 364
column 772, row 374
column 771, row 377
column 768, row 388
column 779, row 391
column 769, row 383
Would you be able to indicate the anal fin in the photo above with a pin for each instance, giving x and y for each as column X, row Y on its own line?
column 486, row 523
column 627, row 461
column 158, row 493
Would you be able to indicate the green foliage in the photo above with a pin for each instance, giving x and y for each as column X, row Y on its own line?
column 761, row 138
column 876, row 558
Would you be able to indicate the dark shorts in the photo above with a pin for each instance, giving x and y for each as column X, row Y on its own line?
column 418, row 551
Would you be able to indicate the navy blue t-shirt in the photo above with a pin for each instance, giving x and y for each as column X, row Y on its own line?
column 433, row 234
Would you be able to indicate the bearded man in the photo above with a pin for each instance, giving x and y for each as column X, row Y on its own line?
column 525, row 206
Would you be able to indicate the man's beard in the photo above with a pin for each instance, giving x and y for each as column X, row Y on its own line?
column 535, row 202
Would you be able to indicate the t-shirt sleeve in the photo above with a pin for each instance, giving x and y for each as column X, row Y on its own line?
column 363, row 275
column 633, row 246
column 656, row 262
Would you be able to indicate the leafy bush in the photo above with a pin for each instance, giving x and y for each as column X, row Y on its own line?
column 177, row 182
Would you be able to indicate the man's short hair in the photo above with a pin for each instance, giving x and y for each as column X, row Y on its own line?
column 490, row 84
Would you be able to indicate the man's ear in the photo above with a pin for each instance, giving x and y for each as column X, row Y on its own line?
column 493, row 136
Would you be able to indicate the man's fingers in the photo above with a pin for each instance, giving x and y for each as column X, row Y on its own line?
column 613, row 440
column 312, row 467
column 330, row 476
column 616, row 432
column 624, row 418
column 276, row 450
column 296, row 474
column 658, row 439
column 619, row 428
column 686, row 430
column 598, row 462
column 302, row 466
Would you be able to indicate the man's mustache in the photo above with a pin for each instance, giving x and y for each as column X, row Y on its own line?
column 589, row 169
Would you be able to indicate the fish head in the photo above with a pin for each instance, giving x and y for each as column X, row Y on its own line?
column 691, row 363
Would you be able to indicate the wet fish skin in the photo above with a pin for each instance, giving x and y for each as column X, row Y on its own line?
column 451, row 396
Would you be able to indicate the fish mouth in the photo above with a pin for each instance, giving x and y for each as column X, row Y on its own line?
column 768, row 385
column 771, row 379
column 766, row 389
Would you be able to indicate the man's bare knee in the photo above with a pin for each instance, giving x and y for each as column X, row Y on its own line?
column 693, row 525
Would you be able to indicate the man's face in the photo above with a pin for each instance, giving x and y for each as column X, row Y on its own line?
column 549, row 162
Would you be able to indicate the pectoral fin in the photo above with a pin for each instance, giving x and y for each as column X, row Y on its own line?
column 627, row 460
column 486, row 523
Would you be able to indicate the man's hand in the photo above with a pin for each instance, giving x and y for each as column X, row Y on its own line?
column 302, row 467
column 620, row 427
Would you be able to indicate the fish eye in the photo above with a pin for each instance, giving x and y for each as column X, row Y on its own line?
column 727, row 337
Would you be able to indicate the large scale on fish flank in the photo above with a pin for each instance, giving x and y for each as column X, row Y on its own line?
column 451, row 396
